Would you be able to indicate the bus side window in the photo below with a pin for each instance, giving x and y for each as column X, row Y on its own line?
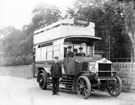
column 56, row 53
column 43, row 53
column 49, row 53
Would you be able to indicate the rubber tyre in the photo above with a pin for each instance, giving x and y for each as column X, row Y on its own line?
column 115, row 88
column 83, row 87
column 43, row 80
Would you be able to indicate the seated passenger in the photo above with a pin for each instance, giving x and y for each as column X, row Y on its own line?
column 69, row 52
column 81, row 53
column 75, row 52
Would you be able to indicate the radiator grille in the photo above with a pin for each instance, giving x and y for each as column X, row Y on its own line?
column 104, row 70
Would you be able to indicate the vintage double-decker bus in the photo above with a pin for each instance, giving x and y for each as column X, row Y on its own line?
column 80, row 74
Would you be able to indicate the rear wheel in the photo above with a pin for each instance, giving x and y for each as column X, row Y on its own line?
column 83, row 87
column 115, row 87
column 42, row 80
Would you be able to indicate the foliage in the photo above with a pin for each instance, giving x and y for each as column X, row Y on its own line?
column 17, row 45
column 45, row 14
column 129, row 16
column 109, row 25
column 17, row 48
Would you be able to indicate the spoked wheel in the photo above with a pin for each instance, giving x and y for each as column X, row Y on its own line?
column 83, row 87
column 42, row 80
column 115, row 87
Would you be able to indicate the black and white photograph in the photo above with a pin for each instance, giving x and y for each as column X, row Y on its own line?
column 67, row 52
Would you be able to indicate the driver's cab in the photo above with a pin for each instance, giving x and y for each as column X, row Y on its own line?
column 80, row 44
column 74, row 64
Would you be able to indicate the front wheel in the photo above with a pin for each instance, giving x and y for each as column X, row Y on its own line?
column 42, row 80
column 114, row 87
column 83, row 87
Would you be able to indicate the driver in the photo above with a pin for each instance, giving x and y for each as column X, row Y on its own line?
column 69, row 52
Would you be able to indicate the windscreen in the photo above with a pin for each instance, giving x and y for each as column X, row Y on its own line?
column 75, row 48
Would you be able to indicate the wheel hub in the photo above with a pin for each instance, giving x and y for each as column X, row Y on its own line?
column 41, row 80
column 81, row 87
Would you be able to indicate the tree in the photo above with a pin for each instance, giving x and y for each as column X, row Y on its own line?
column 18, row 44
column 109, row 25
column 45, row 14
column 129, row 16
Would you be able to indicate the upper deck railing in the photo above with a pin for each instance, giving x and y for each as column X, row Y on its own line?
column 70, row 22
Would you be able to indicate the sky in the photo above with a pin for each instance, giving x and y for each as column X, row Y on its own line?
column 18, row 13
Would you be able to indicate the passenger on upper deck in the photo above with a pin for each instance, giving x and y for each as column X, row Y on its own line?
column 69, row 52
column 81, row 53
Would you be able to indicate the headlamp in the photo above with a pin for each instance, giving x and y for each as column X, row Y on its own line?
column 92, row 67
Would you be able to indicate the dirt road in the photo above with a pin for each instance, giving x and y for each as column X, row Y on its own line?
column 19, row 91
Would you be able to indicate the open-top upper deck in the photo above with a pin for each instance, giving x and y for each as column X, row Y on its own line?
column 65, row 28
